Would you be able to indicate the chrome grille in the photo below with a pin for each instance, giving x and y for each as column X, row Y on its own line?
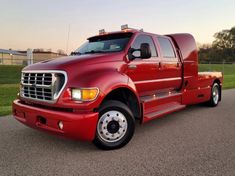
column 42, row 85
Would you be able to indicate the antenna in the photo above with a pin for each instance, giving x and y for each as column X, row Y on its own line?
column 67, row 44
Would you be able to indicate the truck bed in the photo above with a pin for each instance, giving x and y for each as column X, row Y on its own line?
column 207, row 78
column 210, row 75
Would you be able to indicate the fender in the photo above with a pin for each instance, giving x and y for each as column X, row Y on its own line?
column 106, row 80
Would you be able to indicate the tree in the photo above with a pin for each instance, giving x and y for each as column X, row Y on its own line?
column 222, row 49
column 225, row 39
column 61, row 52
column 38, row 50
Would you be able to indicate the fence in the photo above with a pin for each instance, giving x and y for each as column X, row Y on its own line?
column 18, row 61
column 225, row 67
column 22, row 59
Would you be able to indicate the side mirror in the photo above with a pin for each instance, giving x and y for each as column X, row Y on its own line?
column 145, row 51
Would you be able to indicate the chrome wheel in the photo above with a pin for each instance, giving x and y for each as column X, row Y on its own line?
column 115, row 127
column 112, row 126
column 215, row 94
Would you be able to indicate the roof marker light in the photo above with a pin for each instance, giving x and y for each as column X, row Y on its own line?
column 124, row 27
column 102, row 32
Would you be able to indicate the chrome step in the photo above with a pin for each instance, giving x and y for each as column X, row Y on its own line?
column 164, row 109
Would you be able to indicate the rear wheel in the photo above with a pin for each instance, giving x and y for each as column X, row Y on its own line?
column 115, row 126
column 215, row 95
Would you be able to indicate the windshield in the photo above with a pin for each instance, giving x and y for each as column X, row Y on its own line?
column 105, row 44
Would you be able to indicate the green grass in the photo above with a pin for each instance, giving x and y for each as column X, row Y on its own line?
column 8, row 93
column 9, row 86
column 229, row 81
column 10, row 78
column 227, row 69
column 10, row 74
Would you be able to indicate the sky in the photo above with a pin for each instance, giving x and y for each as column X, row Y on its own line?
column 47, row 23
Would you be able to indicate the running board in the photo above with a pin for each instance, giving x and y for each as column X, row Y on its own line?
column 160, row 101
column 163, row 110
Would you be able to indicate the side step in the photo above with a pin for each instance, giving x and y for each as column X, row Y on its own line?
column 163, row 110
column 161, row 104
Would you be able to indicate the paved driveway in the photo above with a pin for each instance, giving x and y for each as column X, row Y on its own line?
column 196, row 141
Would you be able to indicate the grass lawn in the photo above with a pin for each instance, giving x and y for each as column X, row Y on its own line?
column 10, row 74
column 8, row 93
column 10, row 78
column 9, row 86
column 227, row 69
column 229, row 81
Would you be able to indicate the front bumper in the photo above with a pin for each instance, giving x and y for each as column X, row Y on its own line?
column 76, row 126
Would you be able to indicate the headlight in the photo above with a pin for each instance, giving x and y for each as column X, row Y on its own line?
column 84, row 94
column 76, row 94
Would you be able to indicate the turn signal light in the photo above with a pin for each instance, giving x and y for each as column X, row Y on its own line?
column 84, row 94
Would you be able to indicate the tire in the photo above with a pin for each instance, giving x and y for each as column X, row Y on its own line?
column 215, row 95
column 115, row 127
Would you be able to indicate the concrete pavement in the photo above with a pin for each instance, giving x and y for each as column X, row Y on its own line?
column 196, row 141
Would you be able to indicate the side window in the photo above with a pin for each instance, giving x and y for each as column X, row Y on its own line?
column 144, row 39
column 166, row 47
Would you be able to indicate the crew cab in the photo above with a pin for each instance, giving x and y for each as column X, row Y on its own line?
column 113, row 80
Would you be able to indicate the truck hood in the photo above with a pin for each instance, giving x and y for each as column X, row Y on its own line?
column 63, row 63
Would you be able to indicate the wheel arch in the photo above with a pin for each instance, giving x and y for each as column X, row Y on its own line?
column 127, row 96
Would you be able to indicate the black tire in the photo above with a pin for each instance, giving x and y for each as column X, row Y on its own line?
column 215, row 92
column 112, row 106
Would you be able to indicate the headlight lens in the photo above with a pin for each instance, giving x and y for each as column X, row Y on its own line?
column 76, row 94
column 84, row 94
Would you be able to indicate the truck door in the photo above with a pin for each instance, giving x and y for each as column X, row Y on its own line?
column 143, row 72
column 170, row 65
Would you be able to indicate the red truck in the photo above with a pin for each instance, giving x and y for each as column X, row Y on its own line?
column 114, row 79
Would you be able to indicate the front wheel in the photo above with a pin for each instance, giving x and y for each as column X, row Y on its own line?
column 115, row 127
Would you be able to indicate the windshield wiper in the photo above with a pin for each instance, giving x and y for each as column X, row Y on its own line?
column 75, row 53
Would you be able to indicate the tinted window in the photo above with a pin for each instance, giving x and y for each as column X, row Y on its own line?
column 144, row 39
column 166, row 47
column 105, row 44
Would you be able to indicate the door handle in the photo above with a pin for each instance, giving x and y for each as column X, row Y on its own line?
column 132, row 66
column 178, row 64
column 160, row 65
